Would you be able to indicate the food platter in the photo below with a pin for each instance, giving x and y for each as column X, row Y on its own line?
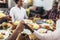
column 4, row 33
column 41, row 27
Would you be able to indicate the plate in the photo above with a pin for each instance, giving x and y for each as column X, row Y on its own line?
column 6, row 34
column 42, row 30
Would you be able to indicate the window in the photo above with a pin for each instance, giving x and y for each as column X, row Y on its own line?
column 3, row 3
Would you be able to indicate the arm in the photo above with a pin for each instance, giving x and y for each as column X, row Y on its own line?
column 47, row 36
column 25, row 15
column 45, row 13
column 58, row 24
column 12, row 15
column 18, row 30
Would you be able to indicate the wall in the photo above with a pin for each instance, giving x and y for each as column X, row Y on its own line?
column 11, row 3
column 47, row 4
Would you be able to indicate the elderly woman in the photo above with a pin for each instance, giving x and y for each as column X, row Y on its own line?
column 52, row 14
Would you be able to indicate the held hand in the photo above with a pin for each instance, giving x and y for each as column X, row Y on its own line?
column 18, row 30
column 20, row 27
column 26, row 26
column 22, row 22
column 29, row 28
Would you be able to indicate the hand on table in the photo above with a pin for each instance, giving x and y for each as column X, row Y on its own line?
column 26, row 26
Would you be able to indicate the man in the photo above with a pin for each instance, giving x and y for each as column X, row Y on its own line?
column 47, row 36
column 18, row 30
column 18, row 12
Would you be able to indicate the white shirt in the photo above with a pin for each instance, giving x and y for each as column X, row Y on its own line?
column 50, row 36
column 18, row 13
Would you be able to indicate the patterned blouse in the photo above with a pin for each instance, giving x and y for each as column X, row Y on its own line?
column 53, row 14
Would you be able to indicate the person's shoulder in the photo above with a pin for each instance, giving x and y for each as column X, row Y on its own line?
column 58, row 20
column 12, row 8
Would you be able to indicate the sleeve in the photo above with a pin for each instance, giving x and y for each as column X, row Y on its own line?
column 12, row 14
column 58, row 24
column 25, row 16
column 48, row 36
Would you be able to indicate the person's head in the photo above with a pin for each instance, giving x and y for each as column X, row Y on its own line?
column 19, row 2
column 59, row 8
column 55, row 6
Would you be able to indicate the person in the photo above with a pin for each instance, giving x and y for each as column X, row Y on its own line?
column 18, row 12
column 58, row 12
column 36, row 11
column 55, row 35
column 17, row 31
column 48, row 36
column 52, row 14
column 4, row 18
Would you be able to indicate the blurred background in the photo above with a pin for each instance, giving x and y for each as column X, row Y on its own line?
column 47, row 4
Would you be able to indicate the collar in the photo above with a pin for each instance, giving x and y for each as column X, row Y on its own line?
column 17, row 6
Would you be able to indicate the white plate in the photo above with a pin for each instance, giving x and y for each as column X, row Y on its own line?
column 42, row 30
column 6, row 33
column 27, row 31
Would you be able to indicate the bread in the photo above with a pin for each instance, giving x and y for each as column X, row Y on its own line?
column 1, row 36
column 36, row 26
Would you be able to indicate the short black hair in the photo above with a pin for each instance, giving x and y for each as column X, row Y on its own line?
column 56, row 3
column 16, row 1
